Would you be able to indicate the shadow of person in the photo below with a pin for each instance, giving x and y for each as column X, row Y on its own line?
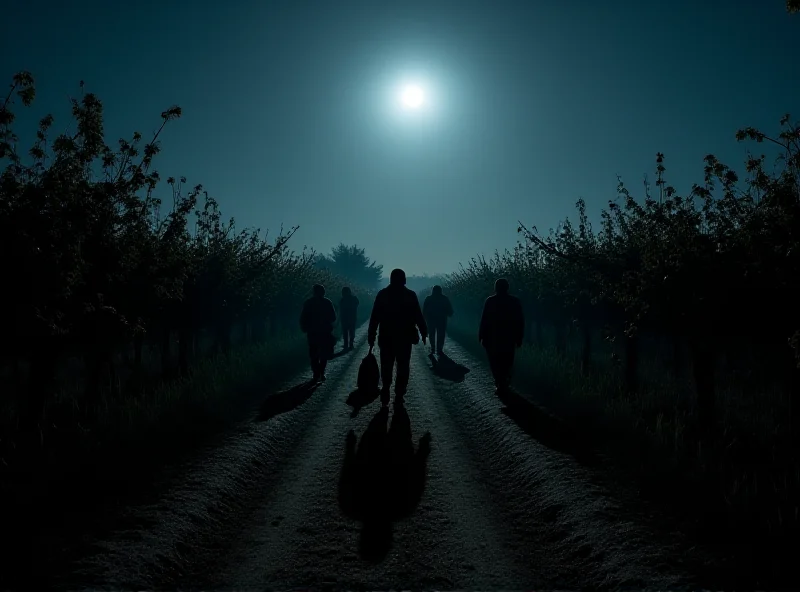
column 546, row 428
column 383, row 480
column 338, row 354
column 409, row 466
column 361, row 398
column 447, row 368
column 287, row 400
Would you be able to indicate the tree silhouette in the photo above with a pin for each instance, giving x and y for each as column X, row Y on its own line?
column 705, row 283
column 94, row 266
column 352, row 262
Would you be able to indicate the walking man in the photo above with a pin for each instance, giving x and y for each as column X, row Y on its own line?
column 317, row 321
column 437, row 309
column 501, row 331
column 397, row 314
column 348, row 307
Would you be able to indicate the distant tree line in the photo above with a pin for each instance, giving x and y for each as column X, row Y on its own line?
column 424, row 282
column 94, row 264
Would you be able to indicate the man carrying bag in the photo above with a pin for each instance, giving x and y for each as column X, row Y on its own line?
column 398, row 315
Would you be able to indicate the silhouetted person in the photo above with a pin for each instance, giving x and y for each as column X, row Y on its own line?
column 501, row 331
column 348, row 307
column 398, row 315
column 437, row 309
column 316, row 321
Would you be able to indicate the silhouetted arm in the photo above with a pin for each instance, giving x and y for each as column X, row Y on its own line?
column 304, row 318
column 483, row 329
column 420, row 318
column 426, row 307
column 375, row 320
column 331, row 312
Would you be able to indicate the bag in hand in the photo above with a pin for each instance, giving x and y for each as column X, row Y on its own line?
column 369, row 373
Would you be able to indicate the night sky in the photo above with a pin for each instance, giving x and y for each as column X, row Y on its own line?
column 291, row 113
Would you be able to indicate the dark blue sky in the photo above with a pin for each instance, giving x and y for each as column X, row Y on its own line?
column 290, row 114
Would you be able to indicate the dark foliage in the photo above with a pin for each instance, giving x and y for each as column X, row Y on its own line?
column 99, row 272
column 703, row 286
column 352, row 262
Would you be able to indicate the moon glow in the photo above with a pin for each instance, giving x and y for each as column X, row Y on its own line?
column 412, row 97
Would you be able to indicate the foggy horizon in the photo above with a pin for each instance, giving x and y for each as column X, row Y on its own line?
column 290, row 112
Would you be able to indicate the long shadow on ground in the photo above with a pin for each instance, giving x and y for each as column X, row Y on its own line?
column 286, row 400
column 361, row 398
column 383, row 480
column 546, row 428
column 447, row 368
column 339, row 354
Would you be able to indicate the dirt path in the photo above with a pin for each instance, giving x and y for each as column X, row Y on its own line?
column 451, row 492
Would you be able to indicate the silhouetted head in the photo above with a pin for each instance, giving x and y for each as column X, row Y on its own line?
column 501, row 286
column 398, row 277
column 346, row 291
column 436, row 290
column 319, row 290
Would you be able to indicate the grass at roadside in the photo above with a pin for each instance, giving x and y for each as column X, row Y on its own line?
column 81, row 474
column 740, row 488
column 167, row 419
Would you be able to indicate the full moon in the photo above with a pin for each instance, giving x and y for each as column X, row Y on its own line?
column 412, row 97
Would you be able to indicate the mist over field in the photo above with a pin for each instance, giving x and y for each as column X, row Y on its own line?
column 432, row 295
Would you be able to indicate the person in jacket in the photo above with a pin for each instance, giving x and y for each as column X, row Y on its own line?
column 437, row 309
column 317, row 322
column 397, row 314
column 501, row 332
column 348, row 308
